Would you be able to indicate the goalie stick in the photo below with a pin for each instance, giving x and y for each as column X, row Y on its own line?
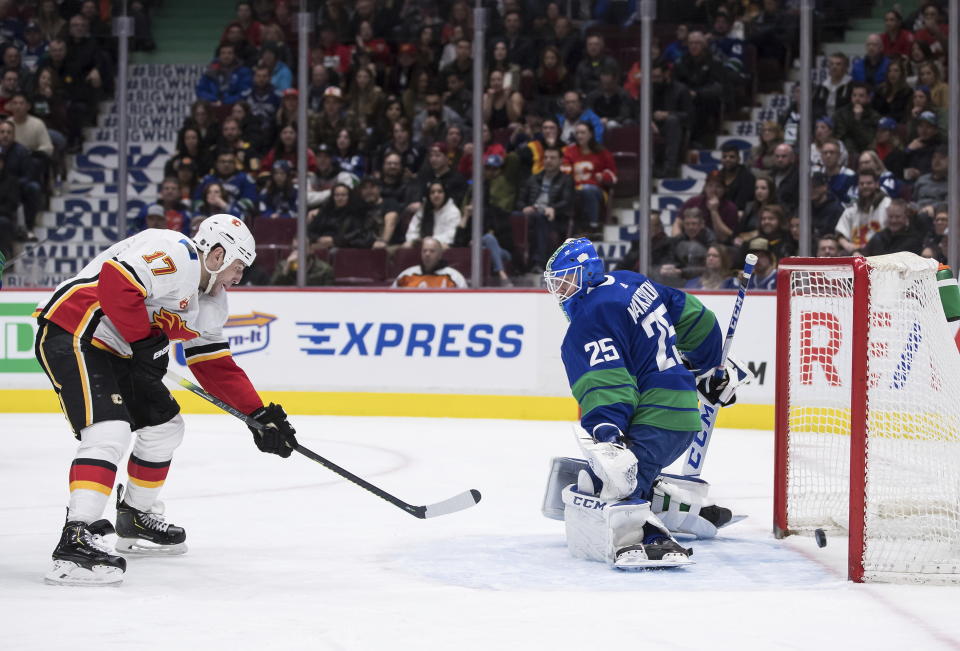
column 456, row 503
column 708, row 413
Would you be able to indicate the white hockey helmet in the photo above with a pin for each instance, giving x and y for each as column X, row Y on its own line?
column 233, row 235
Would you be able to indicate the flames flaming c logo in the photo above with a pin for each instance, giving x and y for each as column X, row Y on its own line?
column 172, row 324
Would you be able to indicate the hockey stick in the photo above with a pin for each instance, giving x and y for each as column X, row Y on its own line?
column 456, row 503
column 708, row 413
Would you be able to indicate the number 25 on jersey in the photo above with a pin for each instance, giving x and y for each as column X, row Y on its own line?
column 667, row 354
column 601, row 351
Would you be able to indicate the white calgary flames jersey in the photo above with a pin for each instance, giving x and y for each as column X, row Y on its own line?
column 163, row 267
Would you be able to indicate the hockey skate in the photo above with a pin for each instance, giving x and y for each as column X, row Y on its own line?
column 83, row 558
column 147, row 532
column 657, row 550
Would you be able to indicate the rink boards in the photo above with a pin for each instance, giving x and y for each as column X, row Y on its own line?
column 380, row 352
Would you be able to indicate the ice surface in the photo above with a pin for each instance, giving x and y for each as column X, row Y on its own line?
column 286, row 555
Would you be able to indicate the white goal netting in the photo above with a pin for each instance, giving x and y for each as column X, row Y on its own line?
column 911, row 483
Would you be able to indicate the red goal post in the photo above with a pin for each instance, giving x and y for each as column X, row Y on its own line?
column 868, row 414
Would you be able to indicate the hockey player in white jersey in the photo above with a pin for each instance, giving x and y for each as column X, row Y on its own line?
column 103, row 340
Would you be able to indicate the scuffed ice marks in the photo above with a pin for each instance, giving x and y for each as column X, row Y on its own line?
column 543, row 563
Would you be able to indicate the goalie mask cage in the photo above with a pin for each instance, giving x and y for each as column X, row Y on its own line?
column 868, row 414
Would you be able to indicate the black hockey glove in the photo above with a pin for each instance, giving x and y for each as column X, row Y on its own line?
column 278, row 435
column 151, row 356
column 711, row 389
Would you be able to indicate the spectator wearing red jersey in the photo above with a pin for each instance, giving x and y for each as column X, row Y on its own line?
column 896, row 39
column 286, row 150
column 934, row 30
column 251, row 28
column 594, row 172
column 490, row 148
column 331, row 53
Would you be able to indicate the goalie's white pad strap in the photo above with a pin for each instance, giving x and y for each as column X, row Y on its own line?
column 612, row 463
column 739, row 374
column 678, row 500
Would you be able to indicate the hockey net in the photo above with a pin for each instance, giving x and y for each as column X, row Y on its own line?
column 868, row 414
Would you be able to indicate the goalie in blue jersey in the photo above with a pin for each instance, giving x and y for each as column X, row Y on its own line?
column 636, row 354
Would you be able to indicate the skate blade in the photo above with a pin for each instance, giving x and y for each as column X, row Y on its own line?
column 735, row 519
column 629, row 562
column 69, row 573
column 140, row 547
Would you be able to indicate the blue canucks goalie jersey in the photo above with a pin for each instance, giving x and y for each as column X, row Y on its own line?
column 633, row 350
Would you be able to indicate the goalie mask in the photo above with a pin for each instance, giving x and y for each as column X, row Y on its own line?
column 571, row 271
column 230, row 233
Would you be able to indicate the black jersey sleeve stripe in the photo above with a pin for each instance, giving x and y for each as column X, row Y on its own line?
column 130, row 269
column 205, row 349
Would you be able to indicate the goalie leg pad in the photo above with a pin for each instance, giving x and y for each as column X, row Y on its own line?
column 586, row 525
column 681, row 502
column 678, row 500
column 563, row 472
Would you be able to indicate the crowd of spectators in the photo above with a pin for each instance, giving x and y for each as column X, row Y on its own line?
column 879, row 176
column 391, row 118
column 390, row 152
column 58, row 61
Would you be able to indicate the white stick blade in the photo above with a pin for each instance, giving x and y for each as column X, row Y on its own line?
column 456, row 503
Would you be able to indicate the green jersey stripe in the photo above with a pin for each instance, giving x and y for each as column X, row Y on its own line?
column 604, row 397
column 695, row 324
column 601, row 378
column 670, row 398
column 679, row 421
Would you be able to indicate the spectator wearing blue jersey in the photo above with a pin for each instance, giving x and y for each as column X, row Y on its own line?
column 225, row 79
column 279, row 197
column 264, row 100
column 727, row 48
column 764, row 272
column 871, row 68
column 889, row 183
column 34, row 47
column 345, row 154
column 280, row 75
column 213, row 201
column 675, row 50
column 11, row 27
column 840, row 179
column 240, row 192
column 574, row 112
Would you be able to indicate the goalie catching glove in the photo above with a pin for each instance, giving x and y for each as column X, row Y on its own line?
column 277, row 436
column 721, row 391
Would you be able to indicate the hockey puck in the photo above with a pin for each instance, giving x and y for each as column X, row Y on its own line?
column 821, row 537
